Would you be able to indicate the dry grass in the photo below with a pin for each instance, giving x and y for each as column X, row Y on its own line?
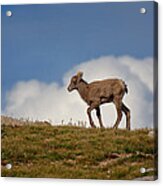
column 74, row 152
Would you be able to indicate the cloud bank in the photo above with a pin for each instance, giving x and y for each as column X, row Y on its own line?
column 37, row 100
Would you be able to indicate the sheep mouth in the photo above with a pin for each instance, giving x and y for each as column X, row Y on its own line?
column 69, row 89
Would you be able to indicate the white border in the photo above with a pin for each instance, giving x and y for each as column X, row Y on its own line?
column 49, row 182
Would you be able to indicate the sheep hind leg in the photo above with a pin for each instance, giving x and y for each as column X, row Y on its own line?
column 126, row 110
column 98, row 113
column 118, row 105
column 89, row 116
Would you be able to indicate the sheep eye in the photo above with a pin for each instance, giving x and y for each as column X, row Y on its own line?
column 74, row 80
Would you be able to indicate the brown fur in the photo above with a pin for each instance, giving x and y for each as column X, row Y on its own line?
column 100, row 92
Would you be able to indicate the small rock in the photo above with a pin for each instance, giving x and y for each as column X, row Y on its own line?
column 47, row 123
column 109, row 171
column 114, row 156
column 151, row 134
column 146, row 178
column 71, row 162
column 150, row 170
column 85, row 166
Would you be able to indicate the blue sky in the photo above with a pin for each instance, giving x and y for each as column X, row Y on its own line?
column 43, row 42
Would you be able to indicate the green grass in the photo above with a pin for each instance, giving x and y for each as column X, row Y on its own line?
column 75, row 152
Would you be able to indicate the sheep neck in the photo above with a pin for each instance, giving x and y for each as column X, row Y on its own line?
column 83, row 90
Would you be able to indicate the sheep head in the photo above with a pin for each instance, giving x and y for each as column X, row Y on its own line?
column 75, row 81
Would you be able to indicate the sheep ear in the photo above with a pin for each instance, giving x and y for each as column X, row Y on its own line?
column 79, row 75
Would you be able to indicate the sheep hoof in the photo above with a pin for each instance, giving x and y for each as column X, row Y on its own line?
column 93, row 125
column 102, row 127
column 115, row 127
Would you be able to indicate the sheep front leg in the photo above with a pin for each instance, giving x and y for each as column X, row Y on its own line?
column 89, row 116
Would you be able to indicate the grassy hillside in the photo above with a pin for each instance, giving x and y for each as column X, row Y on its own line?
column 39, row 150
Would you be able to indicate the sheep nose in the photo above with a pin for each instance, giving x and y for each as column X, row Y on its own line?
column 68, row 88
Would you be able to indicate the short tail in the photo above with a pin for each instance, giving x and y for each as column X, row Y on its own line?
column 126, row 89
column 125, row 86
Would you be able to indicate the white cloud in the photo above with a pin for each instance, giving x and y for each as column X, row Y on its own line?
column 37, row 100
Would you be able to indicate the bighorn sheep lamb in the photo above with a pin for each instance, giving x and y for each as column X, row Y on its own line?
column 100, row 92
